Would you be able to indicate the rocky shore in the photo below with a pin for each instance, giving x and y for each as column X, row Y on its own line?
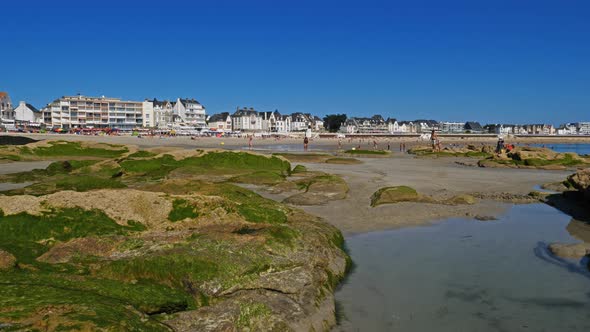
column 117, row 238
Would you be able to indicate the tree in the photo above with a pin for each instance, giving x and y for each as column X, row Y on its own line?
column 332, row 122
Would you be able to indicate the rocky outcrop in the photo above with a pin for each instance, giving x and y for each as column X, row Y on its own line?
column 581, row 181
column 397, row 194
column 535, row 158
column 7, row 260
column 575, row 250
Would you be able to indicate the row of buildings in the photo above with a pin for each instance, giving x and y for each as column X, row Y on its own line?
column 79, row 111
column 250, row 120
column 104, row 112
column 379, row 125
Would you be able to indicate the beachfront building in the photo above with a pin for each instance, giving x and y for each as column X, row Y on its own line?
column 583, row 128
column 94, row 112
column 283, row 123
column 473, row 127
column 452, row 127
column 220, row 122
column 246, row 119
column 300, row 121
column 163, row 113
column 190, row 112
column 373, row 125
column 6, row 110
column 539, row 129
column 567, row 129
column 423, row 126
column 400, row 127
column 27, row 113
column 317, row 123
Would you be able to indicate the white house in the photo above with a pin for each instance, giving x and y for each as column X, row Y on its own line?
column 220, row 122
column 283, row 123
column 300, row 121
column 27, row 113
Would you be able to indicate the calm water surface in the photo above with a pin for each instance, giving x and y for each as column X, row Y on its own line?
column 579, row 148
column 466, row 275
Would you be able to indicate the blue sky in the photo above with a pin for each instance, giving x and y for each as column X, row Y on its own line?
column 491, row 61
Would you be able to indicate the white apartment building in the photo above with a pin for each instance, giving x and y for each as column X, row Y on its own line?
column 190, row 111
column 163, row 113
column 452, row 127
column 94, row 112
column 584, row 128
column 246, row 119
column 6, row 110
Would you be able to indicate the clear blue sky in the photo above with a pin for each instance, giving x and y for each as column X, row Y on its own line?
column 491, row 61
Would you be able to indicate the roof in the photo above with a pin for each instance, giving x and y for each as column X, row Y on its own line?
column 161, row 102
column 33, row 108
column 189, row 101
column 245, row 112
column 3, row 94
column 221, row 117
column 473, row 125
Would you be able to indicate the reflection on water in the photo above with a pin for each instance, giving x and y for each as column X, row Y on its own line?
column 465, row 275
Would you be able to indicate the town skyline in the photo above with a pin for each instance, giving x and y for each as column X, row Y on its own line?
column 494, row 62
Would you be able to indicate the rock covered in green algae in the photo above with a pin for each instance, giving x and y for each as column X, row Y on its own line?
column 398, row 194
column 394, row 194
column 195, row 254
column 532, row 157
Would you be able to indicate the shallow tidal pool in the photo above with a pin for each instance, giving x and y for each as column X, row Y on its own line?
column 467, row 275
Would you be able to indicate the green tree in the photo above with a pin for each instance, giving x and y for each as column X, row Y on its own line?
column 332, row 122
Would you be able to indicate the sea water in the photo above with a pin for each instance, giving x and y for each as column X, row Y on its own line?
column 579, row 148
column 467, row 275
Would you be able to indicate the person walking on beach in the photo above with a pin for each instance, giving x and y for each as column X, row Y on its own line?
column 305, row 143
column 435, row 141
column 250, row 142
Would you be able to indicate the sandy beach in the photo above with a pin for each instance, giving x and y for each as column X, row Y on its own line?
column 317, row 144
column 436, row 177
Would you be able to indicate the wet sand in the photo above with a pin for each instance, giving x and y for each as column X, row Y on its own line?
column 436, row 177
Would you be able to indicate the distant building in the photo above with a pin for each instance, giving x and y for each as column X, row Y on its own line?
column 221, row 122
column 190, row 111
column 300, row 121
column 452, row 127
column 163, row 113
column 424, row 126
column 27, row 113
column 246, row 119
column 473, row 127
column 6, row 110
column 583, row 128
column 317, row 123
column 283, row 123
column 567, row 129
column 373, row 125
column 96, row 112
